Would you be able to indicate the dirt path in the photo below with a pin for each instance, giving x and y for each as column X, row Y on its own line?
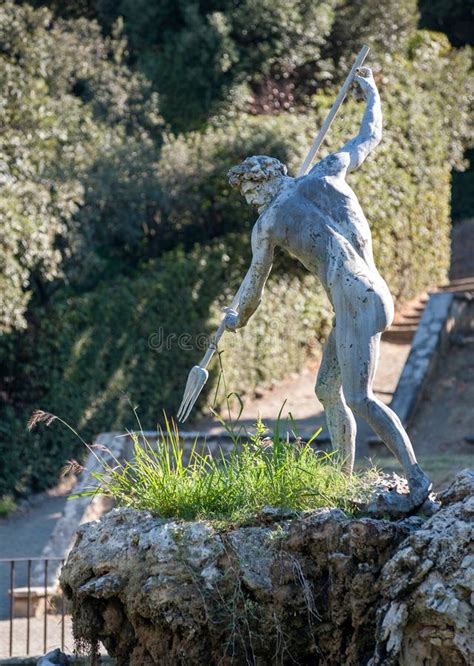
column 443, row 427
column 445, row 418
column 442, row 431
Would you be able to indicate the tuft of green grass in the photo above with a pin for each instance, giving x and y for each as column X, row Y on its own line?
column 172, row 482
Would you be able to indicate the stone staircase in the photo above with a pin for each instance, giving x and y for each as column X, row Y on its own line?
column 406, row 321
column 461, row 285
column 407, row 318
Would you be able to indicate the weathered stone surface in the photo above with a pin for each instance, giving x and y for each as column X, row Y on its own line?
column 428, row 587
column 317, row 589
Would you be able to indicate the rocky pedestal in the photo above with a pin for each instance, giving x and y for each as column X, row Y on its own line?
column 425, row 613
column 318, row 589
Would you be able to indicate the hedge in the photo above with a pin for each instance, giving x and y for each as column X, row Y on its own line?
column 71, row 111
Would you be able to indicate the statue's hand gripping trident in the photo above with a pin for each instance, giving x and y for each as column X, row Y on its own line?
column 199, row 374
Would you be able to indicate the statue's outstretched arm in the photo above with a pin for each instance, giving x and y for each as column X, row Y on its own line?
column 254, row 281
column 370, row 134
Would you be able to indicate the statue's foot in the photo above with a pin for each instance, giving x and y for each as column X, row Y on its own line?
column 395, row 505
column 419, row 484
column 399, row 503
column 397, row 497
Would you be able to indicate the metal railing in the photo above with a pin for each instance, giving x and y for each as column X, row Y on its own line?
column 40, row 574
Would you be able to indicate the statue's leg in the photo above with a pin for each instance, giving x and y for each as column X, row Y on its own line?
column 339, row 418
column 357, row 352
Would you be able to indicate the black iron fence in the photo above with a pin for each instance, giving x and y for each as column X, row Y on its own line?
column 26, row 607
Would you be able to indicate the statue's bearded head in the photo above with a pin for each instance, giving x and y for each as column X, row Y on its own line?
column 258, row 178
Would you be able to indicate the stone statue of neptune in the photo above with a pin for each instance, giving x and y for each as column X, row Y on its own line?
column 318, row 218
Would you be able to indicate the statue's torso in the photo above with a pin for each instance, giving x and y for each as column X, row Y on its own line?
column 319, row 220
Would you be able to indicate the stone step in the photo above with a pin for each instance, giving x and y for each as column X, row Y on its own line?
column 406, row 321
column 31, row 601
column 405, row 324
column 462, row 284
column 399, row 337
column 462, row 281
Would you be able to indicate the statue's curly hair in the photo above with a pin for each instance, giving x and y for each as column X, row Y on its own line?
column 256, row 168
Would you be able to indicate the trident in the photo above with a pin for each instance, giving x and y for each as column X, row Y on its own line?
column 199, row 374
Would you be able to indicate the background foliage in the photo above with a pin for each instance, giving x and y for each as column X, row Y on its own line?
column 119, row 228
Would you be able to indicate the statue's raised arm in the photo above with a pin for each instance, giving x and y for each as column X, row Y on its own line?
column 354, row 152
column 370, row 132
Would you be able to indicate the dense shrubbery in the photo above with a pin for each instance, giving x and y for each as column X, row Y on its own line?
column 86, row 353
column 117, row 231
column 195, row 52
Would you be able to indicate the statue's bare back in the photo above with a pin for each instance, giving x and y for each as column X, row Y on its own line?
column 319, row 220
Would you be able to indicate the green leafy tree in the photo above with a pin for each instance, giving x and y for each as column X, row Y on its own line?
column 195, row 52
column 68, row 103
column 384, row 26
